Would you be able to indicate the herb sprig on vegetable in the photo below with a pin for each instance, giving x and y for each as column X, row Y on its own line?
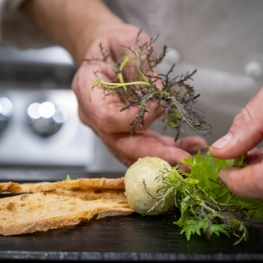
column 136, row 84
column 206, row 205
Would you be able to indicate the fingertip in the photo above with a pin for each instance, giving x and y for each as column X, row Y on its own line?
column 230, row 179
column 243, row 182
column 225, row 147
column 222, row 142
column 192, row 144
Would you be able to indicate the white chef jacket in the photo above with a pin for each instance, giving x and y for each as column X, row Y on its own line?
column 223, row 40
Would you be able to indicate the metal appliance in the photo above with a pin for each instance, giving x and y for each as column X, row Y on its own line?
column 39, row 123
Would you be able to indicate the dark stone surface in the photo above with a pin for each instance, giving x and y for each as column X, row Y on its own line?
column 128, row 238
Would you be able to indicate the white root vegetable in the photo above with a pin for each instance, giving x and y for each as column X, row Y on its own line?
column 144, row 185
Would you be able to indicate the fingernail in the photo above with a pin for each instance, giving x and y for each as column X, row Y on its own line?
column 222, row 142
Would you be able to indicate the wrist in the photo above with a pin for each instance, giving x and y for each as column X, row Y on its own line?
column 87, row 37
column 73, row 25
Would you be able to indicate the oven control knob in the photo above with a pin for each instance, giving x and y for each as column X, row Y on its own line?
column 46, row 118
column 6, row 112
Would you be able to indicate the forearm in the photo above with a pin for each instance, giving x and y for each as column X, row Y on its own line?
column 73, row 24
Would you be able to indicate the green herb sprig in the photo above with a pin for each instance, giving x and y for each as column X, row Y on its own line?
column 206, row 205
column 136, row 84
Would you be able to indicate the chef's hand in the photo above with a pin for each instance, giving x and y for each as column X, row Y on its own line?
column 80, row 26
column 245, row 133
column 102, row 113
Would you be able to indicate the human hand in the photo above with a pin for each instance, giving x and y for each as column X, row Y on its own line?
column 80, row 28
column 245, row 133
column 102, row 113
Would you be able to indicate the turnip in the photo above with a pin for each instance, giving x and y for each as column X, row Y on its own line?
column 145, row 185
column 204, row 205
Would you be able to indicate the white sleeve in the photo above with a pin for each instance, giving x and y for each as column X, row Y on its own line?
column 16, row 30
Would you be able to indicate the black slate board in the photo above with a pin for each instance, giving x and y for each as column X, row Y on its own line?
column 129, row 238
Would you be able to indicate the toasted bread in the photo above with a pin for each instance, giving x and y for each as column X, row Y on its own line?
column 42, row 207
column 82, row 183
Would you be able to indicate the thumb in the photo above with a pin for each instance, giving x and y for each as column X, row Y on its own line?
column 245, row 133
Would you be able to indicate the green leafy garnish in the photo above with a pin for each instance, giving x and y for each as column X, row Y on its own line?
column 206, row 205
column 68, row 178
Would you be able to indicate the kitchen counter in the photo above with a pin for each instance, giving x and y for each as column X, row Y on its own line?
column 129, row 238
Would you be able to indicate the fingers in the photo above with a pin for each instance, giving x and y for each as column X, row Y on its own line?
column 248, row 181
column 244, row 182
column 191, row 144
column 128, row 149
column 245, row 133
column 111, row 119
column 254, row 156
column 102, row 109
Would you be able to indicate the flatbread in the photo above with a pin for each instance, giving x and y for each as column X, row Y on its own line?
column 43, row 206
column 82, row 183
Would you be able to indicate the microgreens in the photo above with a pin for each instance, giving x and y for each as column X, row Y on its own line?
column 136, row 84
